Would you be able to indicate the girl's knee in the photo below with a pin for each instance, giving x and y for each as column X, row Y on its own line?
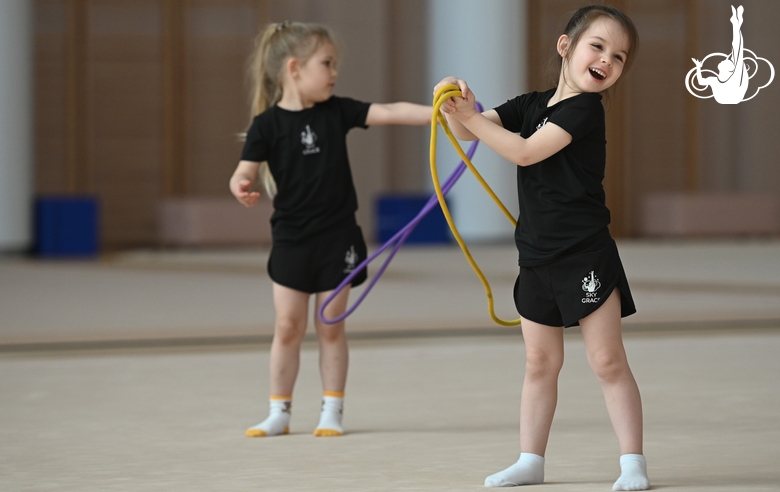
column 609, row 366
column 330, row 333
column 542, row 363
column 289, row 331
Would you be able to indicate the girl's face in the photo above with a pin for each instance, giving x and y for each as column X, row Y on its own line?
column 317, row 77
column 597, row 61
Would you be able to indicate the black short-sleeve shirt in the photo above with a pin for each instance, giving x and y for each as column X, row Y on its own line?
column 306, row 153
column 562, row 201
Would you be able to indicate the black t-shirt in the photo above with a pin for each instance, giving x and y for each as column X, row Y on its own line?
column 306, row 152
column 562, row 201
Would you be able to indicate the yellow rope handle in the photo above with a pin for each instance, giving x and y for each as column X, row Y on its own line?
column 444, row 93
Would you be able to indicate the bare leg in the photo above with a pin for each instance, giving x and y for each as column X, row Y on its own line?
column 291, row 306
column 607, row 357
column 334, row 359
column 291, row 313
column 334, row 353
column 603, row 337
column 544, row 360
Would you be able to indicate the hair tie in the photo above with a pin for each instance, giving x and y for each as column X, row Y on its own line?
column 283, row 25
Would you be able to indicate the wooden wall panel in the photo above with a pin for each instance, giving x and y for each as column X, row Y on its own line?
column 138, row 100
column 659, row 128
column 546, row 21
column 51, row 97
column 124, row 116
column 408, row 146
column 219, row 37
column 738, row 149
column 141, row 100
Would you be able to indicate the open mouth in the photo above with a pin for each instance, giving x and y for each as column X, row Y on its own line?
column 597, row 74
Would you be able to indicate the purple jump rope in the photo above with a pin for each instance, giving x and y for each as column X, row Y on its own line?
column 399, row 238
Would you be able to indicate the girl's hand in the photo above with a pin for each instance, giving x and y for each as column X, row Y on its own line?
column 458, row 106
column 462, row 85
column 696, row 62
column 242, row 190
column 241, row 183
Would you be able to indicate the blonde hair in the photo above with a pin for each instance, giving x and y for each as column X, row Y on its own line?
column 275, row 44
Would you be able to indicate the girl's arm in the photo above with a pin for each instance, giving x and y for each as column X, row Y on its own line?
column 464, row 133
column 545, row 142
column 487, row 127
column 242, row 181
column 399, row 113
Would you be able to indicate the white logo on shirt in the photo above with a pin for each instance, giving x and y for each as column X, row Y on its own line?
column 308, row 138
column 591, row 285
column 540, row 125
column 350, row 259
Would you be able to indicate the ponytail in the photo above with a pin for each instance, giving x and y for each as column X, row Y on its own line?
column 273, row 47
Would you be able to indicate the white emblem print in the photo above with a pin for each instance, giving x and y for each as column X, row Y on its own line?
column 351, row 259
column 591, row 285
column 540, row 125
column 308, row 139
column 735, row 70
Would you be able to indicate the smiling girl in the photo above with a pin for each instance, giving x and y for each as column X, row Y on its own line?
column 570, row 271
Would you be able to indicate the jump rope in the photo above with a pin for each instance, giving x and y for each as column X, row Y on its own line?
column 441, row 96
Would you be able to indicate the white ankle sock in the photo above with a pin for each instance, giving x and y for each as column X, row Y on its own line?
column 330, row 416
column 528, row 470
column 633, row 473
column 278, row 420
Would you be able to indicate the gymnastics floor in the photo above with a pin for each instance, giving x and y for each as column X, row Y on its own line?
column 142, row 370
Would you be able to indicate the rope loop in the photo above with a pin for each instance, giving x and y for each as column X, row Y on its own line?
column 398, row 239
column 441, row 96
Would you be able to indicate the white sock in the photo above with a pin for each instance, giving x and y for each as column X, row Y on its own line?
column 278, row 420
column 528, row 470
column 633, row 473
column 330, row 416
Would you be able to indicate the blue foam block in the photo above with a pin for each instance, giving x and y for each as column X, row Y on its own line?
column 66, row 226
column 394, row 212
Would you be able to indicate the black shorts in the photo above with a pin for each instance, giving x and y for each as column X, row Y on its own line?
column 572, row 287
column 321, row 262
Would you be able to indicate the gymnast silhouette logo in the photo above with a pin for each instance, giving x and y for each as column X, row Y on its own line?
column 308, row 139
column 591, row 285
column 730, row 84
column 351, row 259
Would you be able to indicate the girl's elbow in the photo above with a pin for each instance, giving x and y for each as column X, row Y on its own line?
column 523, row 161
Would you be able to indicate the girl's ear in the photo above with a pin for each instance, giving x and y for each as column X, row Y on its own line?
column 292, row 66
column 563, row 45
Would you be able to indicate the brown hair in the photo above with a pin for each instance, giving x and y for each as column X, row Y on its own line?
column 581, row 20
